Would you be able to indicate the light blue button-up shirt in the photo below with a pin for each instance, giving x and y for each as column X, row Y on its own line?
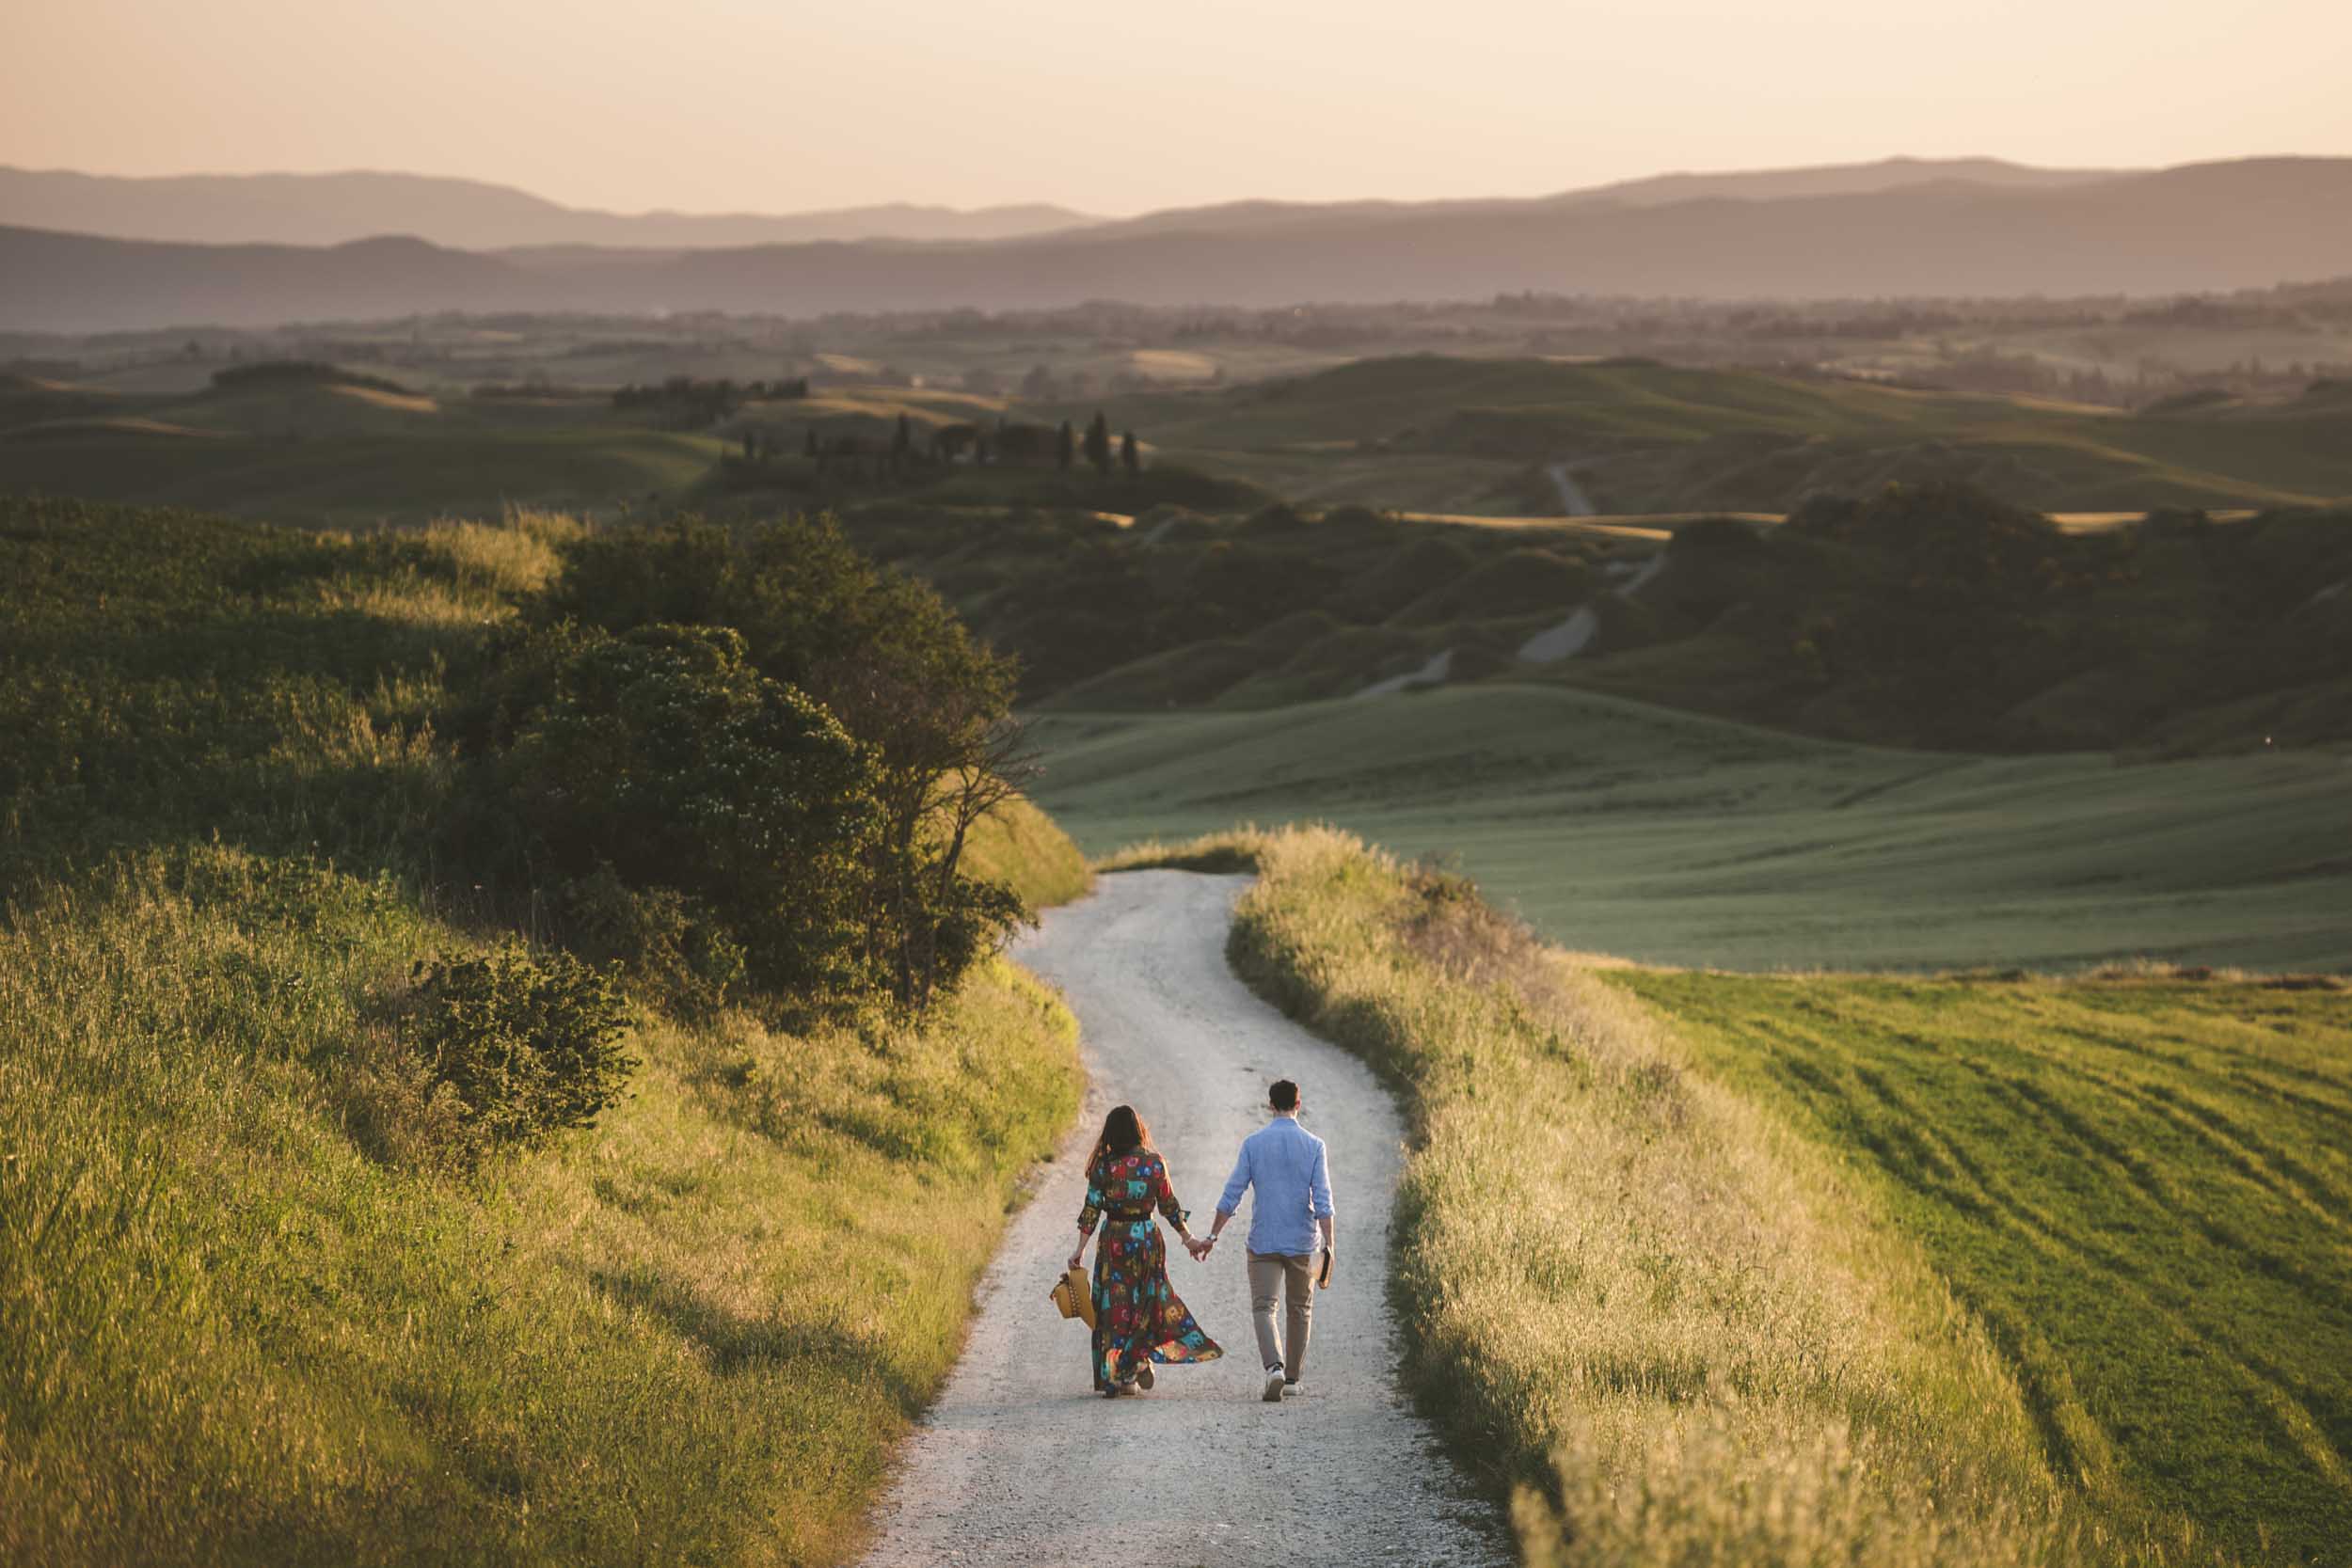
column 1286, row 1164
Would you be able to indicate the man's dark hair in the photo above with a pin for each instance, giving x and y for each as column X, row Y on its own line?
column 1283, row 1096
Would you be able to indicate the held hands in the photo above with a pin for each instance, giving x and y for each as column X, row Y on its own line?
column 1200, row 1246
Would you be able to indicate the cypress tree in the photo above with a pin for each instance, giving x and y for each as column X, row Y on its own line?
column 1099, row 443
column 1128, row 456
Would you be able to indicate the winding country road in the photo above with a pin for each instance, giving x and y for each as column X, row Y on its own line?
column 1022, row 1463
column 1573, row 500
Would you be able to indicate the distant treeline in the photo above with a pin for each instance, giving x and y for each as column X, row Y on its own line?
column 1931, row 614
column 687, row 401
column 907, row 454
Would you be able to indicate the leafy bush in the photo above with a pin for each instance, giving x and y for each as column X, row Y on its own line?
column 1703, row 535
column 1517, row 582
column 884, row 654
column 529, row 1046
column 663, row 759
column 1962, row 605
column 675, row 947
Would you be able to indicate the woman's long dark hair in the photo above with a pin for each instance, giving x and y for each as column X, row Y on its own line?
column 1122, row 1134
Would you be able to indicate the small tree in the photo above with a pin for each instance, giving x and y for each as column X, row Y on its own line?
column 884, row 653
column 901, row 442
column 1128, row 457
column 1099, row 443
column 666, row 756
column 528, row 1046
column 1065, row 447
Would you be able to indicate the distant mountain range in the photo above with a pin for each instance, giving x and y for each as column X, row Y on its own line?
column 1899, row 228
column 463, row 215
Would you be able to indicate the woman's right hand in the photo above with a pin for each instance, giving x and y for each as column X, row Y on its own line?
column 1079, row 1258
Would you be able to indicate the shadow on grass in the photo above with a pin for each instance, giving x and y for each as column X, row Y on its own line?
column 734, row 1344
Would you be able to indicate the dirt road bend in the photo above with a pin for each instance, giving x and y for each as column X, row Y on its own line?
column 1022, row 1463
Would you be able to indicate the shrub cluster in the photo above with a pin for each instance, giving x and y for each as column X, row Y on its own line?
column 663, row 764
column 748, row 755
column 529, row 1046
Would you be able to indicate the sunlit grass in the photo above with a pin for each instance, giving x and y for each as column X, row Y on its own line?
column 520, row 555
column 1679, row 839
column 690, row 1334
column 1019, row 846
column 2140, row 1184
column 247, row 1313
column 1634, row 1295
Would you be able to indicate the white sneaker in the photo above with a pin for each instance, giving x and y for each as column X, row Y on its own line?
column 1294, row 1387
column 1273, row 1385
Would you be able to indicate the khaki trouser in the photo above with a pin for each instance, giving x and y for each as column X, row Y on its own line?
column 1269, row 1271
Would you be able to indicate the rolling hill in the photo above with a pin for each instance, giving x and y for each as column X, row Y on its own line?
column 469, row 214
column 2248, row 223
column 337, row 447
column 1442, row 434
column 1669, row 838
column 1887, row 174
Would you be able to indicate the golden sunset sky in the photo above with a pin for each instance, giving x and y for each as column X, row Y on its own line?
column 1120, row 107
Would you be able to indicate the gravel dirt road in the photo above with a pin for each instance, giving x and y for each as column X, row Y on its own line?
column 1022, row 1463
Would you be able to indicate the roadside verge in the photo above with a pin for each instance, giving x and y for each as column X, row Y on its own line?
column 1631, row 1300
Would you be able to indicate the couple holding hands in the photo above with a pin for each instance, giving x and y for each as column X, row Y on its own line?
column 1138, row 1319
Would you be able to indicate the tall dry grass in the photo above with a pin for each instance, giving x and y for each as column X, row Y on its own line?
column 238, row 1326
column 246, row 1316
column 1639, row 1304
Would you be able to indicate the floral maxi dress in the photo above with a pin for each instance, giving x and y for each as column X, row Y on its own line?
column 1137, row 1317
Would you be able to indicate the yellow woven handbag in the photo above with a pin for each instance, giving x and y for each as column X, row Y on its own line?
column 1074, row 1296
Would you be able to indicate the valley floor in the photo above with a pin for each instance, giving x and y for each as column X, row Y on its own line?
column 1669, row 838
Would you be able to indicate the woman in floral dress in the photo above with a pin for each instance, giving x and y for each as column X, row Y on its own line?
column 1137, row 1319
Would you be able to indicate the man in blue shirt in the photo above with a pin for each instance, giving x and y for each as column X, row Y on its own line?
column 1290, row 1223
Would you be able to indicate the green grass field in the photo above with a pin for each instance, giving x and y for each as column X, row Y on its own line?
column 238, row 1335
column 1671, row 838
column 1631, row 1302
column 1442, row 434
column 252, row 1310
column 1829, row 1268
column 356, row 480
column 2141, row 1187
column 1423, row 433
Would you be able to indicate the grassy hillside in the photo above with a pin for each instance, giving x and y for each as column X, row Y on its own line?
column 353, row 448
column 1022, row 847
column 2139, row 1185
column 267, row 1299
column 343, row 453
column 240, row 1335
column 1838, row 1269
column 1925, row 615
column 1681, row 1333
column 1420, row 433
column 1671, row 838
column 1442, row 433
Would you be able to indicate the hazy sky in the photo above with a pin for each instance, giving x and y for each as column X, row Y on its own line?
column 1116, row 106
